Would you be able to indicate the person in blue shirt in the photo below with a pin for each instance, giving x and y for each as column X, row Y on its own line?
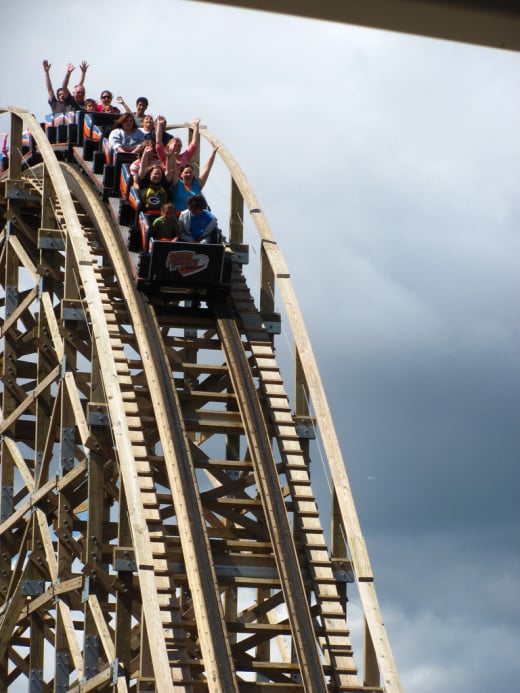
column 126, row 136
column 188, row 185
column 197, row 224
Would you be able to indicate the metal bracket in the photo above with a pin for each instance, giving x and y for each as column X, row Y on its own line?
column 32, row 588
column 98, row 418
column 67, row 450
column 86, row 589
column 62, row 672
column 240, row 253
column 342, row 570
column 91, row 655
column 13, row 193
column 305, row 427
column 115, row 671
column 6, row 503
column 272, row 322
column 36, row 681
column 11, row 300
column 46, row 243
column 125, row 565
column 73, row 312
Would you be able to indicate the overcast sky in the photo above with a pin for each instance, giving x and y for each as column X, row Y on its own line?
column 388, row 168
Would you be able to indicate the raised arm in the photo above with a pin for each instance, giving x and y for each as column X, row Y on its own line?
column 48, row 83
column 70, row 69
column 83, row 66
column 160, row 125
column 4, row 149
column 192, row 147
column 207, row 167
column 65, row 83
column 145, row 164
column 123, row 103
column 172, row 169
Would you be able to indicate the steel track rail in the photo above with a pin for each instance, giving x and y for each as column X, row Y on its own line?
column 334, row 640
column 346, row 507
column 313, row 678
column 213, row 640
column 218, row 662
column 120, row 427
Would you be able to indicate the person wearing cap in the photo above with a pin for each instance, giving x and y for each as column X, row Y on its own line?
column 141, row 105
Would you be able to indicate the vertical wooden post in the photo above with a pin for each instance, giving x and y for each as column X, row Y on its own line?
column 123, row 631
column 236, row 219
column 15, row 150
column 36, row 654
column 266, row 283
column 338, row 546
column 9, row 366
column 371, row 676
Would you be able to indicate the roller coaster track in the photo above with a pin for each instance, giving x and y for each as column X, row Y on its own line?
column 158, row 525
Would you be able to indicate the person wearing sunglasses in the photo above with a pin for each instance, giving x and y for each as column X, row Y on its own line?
column 105, row 105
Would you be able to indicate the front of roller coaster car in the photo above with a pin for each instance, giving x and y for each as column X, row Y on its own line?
column 161, row 266
column 179, row 268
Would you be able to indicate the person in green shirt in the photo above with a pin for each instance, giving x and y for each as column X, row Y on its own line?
column 167, row 225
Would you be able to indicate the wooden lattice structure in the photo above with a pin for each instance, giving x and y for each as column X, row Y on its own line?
column 158, row 526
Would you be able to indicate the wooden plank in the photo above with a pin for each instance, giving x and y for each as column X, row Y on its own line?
column 20, row 309
column 276, row 517
column 52, row 323
column 77, row 408
column 29, row 400
column 25, row 260
column 128, row 453
column 105, row 637
column 20, row 463
column 331, row 445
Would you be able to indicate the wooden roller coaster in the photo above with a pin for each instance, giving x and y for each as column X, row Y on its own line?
column 158, row 526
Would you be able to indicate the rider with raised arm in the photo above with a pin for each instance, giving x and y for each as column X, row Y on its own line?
column 57, row 102
column 189, row 185
column 78, row 93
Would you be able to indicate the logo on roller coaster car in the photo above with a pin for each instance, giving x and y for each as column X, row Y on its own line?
column 186, row 262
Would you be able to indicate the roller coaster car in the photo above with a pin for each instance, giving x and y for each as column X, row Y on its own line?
column 185, row 269
column 96, row 126
column 110, row 165
column 61, row 129
column 30, row 156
